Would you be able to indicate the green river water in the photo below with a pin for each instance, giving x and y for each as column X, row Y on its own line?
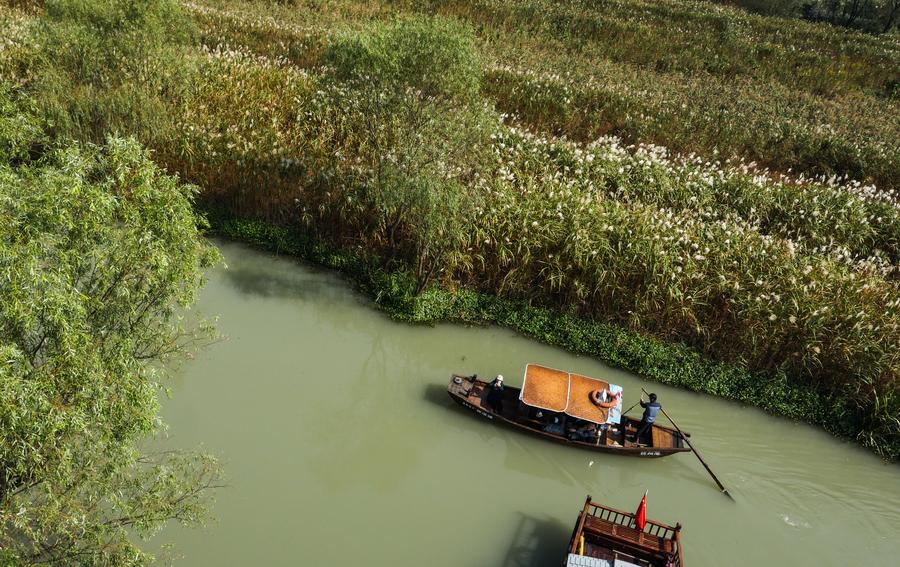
column 342, row 448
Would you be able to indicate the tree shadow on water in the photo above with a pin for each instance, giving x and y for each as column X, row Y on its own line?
column 268, row 283
column 537, row 542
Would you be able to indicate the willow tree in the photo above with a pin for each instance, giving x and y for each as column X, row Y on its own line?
column 100, row 254
column 423, row 133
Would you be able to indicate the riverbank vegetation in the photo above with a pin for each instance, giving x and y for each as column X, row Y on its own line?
column 689, row 174
column 670, row 363
column 100, row 250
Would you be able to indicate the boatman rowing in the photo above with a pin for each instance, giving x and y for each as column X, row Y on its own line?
column 651, row 409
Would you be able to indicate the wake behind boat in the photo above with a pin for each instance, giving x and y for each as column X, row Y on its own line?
column 567, row 408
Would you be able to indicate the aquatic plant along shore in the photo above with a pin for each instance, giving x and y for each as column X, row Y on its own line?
column 413, row 145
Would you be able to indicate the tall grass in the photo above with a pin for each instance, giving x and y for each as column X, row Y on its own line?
column 109, row 67
column 406, row 55
column 852, row 135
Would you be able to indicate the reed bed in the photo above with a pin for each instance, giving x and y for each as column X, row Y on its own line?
column 17, row 42
column 695, row 36
column 852, row 135
column 548, row 83
column 771, row 272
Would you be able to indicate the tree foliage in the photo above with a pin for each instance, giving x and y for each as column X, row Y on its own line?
column 99, row 252
column 433, row 55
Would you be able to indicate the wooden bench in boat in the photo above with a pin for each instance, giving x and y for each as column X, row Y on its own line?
column 633, row 535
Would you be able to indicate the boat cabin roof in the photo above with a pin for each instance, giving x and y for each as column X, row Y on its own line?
column 562, row 392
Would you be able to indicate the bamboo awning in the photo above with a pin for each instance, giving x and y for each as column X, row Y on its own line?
column 545, row 388
column 580, row 404
column 563, row 392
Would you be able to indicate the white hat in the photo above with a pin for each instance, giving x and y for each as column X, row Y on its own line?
column 499, row 377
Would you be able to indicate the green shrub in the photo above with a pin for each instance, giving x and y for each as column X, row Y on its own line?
column 433, row 55
column 109, row 42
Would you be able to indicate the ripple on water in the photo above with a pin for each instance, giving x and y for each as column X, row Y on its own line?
column 794, row 522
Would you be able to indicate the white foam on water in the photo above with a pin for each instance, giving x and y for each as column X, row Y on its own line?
column 793, row 522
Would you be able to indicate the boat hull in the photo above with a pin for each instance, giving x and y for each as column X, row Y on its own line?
column 464, row 398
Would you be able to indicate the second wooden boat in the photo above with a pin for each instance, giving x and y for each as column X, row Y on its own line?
column 606, row 537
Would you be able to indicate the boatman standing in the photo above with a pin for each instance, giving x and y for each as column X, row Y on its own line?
column 651, row 409
column 495, row 394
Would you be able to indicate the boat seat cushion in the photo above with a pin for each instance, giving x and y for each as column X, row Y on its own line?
column 585, row 561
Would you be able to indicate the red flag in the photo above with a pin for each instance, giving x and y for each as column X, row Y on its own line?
column 640, row 517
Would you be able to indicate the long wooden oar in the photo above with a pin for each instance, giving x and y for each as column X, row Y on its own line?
column 629, row 409
column 694, row 450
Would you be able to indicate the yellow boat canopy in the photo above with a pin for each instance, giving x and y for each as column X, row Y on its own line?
column 563, row 392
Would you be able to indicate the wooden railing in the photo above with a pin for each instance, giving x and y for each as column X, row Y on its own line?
column 627, row 520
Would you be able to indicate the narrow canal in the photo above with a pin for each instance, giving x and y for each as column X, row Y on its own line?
column 342, row 448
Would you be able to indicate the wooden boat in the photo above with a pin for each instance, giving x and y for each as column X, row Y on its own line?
column 611, row 538
column 548, row 393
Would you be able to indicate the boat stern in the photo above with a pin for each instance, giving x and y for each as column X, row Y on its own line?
column 461, row 386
